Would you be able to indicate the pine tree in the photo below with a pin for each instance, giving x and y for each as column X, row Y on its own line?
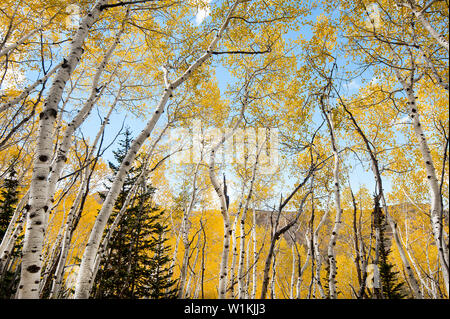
column 8, row 200
column 161, row 284
column 391, row 285
column 119, row 155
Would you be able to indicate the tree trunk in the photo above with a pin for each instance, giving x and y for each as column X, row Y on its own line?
column 35, row 231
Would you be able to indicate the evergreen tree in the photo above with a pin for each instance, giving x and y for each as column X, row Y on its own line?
column 161, row 284
column 135, row 266
column 391, row 285
column 8, row 200
column 119, row 155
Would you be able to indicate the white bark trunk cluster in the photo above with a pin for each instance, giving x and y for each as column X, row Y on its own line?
column 37, row 208
column 433, row 183
column 242, row 292
column 84, row 277
column 66, row 142
column 185, row 232
column 337, row 202
column 223, row 274
column 377, row 175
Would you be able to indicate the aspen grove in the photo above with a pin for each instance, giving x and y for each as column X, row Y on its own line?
column 235, row 149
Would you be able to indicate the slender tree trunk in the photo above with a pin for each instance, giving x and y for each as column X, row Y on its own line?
column 223, row 204
column 37, row 209
column 5, row 246
column 255, row 256
column 95, row 94
column 185, row 232
column 439, row 38
column 234, row 254
column 294, row 270
column 435, row 193
column 277, row 233
column 392, row 224
column 84, row 278
column 7, row 49
column 28, row 89
column 273, row 280
column 337, row 201
column 241, row 285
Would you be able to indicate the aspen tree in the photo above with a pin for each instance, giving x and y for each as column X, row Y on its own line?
column 36, row 209
column 223, row 275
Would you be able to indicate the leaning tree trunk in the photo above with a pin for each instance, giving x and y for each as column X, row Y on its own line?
column 5, row 246
column 436, row 218
column 95, row 94
column 71, row 218
column 36, row 209
column 84, row 277
column 241, row 284
column 337, row 201
column 392, row 223
column 439, row 38
column 277, row 233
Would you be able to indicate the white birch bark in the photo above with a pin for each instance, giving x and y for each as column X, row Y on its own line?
column 317, row 253
column 188, row 292
column 434, row 72
column 185, row 231
column 241, row 285
column 103, row 249
column 247, row 266
column 69, row 227
column 35, row 230
column 234, row 254
column 303, row 268
column 293, row 271
column 84, row 277
column 65, row 144
column 390, row 220
column 223, row 275
column 439, row 38
column 413, row 261
column 9, row 244
column 273, row 279
column 433, row 183
column 277, row 233
column 7, row 49
column 64, row 248
column 337, row 202
column 310, row 250
column 255, row 256
column 234, row 239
